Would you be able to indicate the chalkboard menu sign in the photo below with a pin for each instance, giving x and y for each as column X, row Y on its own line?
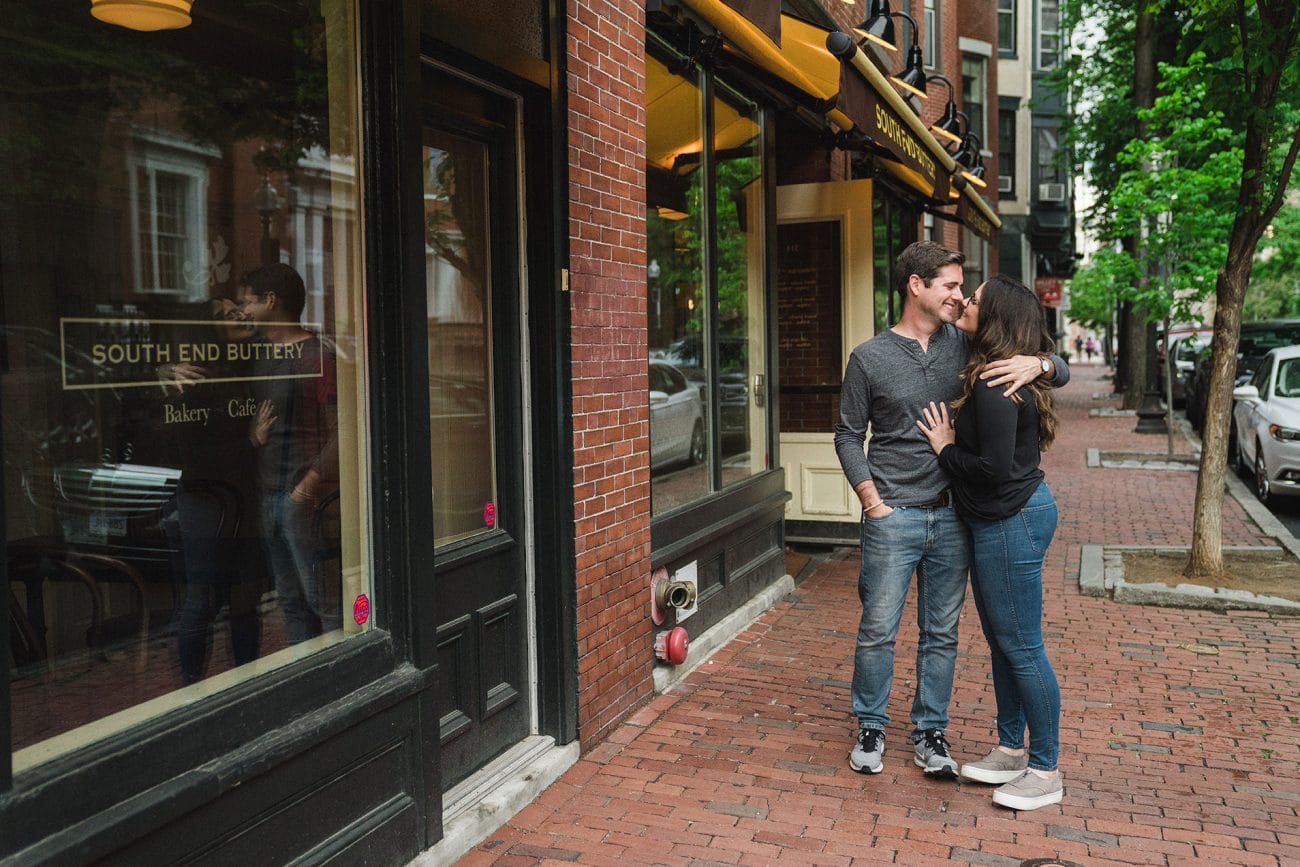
column 809, row 265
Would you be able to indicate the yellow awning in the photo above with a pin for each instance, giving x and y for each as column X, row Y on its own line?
column 804, row 62
column 800, row 60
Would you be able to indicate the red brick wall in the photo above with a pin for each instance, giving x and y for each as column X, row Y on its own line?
column 606, row 122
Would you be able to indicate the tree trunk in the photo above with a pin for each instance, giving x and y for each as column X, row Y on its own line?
column 1134, row 350
column 1207, row 522
column 1141, row 349
column 1123, row 311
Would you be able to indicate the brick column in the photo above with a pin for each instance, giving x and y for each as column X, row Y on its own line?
column 606, row 122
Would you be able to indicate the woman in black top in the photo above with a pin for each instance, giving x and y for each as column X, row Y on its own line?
column 992, row 455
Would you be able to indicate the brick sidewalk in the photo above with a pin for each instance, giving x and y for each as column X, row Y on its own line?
column 1170, row 756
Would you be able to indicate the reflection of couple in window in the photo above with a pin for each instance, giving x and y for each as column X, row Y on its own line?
column 294, row 433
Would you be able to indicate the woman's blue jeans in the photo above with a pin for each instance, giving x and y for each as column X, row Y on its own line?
column 933, row 543
column 1007, row 582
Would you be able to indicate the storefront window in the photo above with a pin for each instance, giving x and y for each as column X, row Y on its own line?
column 893, row 227
column 707, row 319
column 741, row 312
column 182, row 360
column 681, row 378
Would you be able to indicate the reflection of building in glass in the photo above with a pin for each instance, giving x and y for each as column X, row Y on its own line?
column 131, row 207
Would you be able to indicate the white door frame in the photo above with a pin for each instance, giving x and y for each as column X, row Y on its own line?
column 819, row 491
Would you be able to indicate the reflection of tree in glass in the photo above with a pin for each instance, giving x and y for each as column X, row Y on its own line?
column 676, row 246
column 734, row 223
column 456, row 219
column 218, row 95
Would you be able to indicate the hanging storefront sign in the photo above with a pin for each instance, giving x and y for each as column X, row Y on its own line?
column 970, row 215
column 1049, row 290
column 883, row 125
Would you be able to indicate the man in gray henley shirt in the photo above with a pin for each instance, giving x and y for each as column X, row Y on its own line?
column 908, row 523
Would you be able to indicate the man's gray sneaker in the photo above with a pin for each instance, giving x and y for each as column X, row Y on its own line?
column 932, row 754
column 996, row 768
column 867, row 751
column 1029, row 791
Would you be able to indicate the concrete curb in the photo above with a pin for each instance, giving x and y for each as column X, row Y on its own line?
column 1092, row 571
column 1101, row 573
column 1101, row 567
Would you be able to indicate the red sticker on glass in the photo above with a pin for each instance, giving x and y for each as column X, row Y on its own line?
column 490, row 515
column 361, row 609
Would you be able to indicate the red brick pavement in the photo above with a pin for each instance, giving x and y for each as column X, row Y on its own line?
column 1169, row 756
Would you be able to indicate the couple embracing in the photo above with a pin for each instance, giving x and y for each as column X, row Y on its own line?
column 957, row 397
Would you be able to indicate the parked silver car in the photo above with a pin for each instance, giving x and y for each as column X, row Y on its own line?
column 1266, row 420
column 676, row 418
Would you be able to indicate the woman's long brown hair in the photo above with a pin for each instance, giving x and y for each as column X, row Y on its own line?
column 1011, row 323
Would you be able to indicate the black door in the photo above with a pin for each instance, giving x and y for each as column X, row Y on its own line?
column 473, row 276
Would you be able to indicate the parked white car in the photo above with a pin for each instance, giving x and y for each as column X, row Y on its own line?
column 1266, row 421
column 676, row 417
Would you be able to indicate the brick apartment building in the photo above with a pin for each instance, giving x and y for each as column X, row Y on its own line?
column 367, row 368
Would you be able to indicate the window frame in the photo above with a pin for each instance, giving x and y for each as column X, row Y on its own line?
column 318, row 681
column 931, row 13
column 1042, row 34
column 1007, row 149
column 1047, row 169
column 1006, row 11
column 154, row 153
column 713, row 87
column 981, row 80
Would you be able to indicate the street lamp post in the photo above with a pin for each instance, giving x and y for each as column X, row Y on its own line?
column 267, row 201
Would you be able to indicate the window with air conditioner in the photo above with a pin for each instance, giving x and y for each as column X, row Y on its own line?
column 1050, row 176
column 1007, row 147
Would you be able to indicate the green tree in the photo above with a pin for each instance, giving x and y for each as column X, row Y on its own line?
column 1097, row 287
column 1274, row 291
column 1108, row 89
column 1175, row 194
column 1254, row 49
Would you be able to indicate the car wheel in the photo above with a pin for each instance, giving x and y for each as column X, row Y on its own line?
column 1262, row 489
column 697, row 443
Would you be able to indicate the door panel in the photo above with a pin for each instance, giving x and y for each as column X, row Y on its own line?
column 824, row 310
column 473, row 238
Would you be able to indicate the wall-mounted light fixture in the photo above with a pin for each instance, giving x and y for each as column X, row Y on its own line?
column 912, row 78
column 947, row 126
column 878, row 26
column 968, row 156
column 145, row 15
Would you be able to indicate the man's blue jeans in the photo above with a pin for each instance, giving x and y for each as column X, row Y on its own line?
column 934, row 544
column 1007, row 579
column 296, row 557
